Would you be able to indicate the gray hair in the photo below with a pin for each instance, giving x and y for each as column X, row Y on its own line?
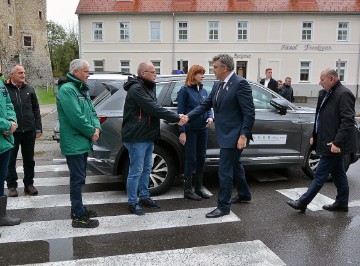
column 143, row 67
column 225, row 60
column 330, row 72
column 77, row 64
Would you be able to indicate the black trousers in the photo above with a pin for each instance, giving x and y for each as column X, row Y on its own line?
column 27, row 142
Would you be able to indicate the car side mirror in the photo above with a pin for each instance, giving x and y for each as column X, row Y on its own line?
column 280, row 104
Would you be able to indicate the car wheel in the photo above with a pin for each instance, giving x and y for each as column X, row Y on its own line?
column 311, row 162
column 162, row 173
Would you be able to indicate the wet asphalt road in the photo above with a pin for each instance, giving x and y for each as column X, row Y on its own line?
column 314, row 238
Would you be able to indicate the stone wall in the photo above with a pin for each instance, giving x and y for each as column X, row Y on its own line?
column 27, row 18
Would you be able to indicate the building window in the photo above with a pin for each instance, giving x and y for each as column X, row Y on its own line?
column 9, row 2
column 305, row 71
column 40, row 15
column 306, row 33
column 242, row 30
column 182, row 31
column 27, row 41
column 99, row 65
column 155, row 30
column 214, row 29
column 10, row 30
column 124, row 31
column 97, row 29
column 342, row 71
column 183, row 65
column 157, row 65
column 211, row 67
column 342, row 32
column 125, row 66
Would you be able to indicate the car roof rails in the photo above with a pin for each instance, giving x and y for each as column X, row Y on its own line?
column 110, row 72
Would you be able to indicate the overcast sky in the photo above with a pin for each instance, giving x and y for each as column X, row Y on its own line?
column 62, row 12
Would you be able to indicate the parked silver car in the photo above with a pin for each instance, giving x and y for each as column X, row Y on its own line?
column 281, row 134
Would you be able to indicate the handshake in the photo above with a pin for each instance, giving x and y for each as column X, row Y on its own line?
column 183, row 119
column 12, row 129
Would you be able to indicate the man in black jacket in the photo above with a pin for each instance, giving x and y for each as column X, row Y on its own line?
column 28, row 116
column 268, row 81
column 333, row 136
column 140, row 128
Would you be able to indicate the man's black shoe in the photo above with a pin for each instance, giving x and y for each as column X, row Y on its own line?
column 148, row 202
column 297, row 205
column 136, row 209
column 239, row 199
column 84, row 222
column 217, row 213
column 336, row 208
column 88, row 213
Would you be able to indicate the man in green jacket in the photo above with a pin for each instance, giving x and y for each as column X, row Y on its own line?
column 79, row 128
column 7, row 127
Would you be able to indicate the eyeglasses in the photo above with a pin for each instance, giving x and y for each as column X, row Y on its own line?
column 152, row 72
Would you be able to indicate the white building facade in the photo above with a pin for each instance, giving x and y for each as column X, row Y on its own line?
column 294, row 44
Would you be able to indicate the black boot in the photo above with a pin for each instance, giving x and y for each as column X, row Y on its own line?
column 188, row 193
column 6, row 220
column 199, row 189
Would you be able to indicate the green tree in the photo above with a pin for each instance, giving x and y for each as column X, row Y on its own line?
column 63, row 47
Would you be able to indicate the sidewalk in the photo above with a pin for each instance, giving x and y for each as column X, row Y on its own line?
column 46, row 109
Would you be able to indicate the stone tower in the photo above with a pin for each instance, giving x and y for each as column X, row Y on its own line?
column 23, row 39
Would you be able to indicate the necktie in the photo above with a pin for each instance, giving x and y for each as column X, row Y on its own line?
column 318, row 115
column 220, row 90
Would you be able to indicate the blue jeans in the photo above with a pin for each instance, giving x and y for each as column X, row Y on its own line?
column 77, row 167
column 195, row 151
column 140, row 155
column 229, row 167
column 333, row 164
column 4, row 164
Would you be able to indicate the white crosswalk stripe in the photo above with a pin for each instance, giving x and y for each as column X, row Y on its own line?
column 65, row 180
column 240, row 253
column 246, row 253
column 92, row 198
column 317, row 203
column 111, row 224
column 46, row 168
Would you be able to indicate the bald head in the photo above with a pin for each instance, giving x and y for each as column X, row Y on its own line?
column 328, row 78
column 147, row 71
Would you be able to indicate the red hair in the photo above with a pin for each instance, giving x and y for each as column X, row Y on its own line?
column 190, row 78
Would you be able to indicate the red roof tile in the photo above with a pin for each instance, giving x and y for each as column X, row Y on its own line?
column 169, row 6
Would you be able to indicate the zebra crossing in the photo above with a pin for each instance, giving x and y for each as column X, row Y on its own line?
column 49, row 233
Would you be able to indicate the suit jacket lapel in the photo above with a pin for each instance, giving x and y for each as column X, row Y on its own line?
column 227, row 87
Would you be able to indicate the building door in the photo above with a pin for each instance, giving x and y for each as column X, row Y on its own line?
column 241, row 68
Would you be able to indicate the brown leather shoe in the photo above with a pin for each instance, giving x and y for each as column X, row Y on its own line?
column 12, row 192
column 31, row 190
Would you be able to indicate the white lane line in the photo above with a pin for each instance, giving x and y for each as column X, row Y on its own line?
column 354, row 203
column 317, row 203
column 65, row 180
column 56, row 229
column 240, row 253
column 92, row 198
column 46, row 168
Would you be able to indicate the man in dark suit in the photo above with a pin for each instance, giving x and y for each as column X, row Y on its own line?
column 333, row 136
column 268, row 81
column 232, row 102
